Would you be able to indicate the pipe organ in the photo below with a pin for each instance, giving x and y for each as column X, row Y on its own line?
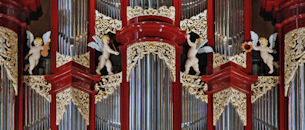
column 72, row 119
column 229, row 120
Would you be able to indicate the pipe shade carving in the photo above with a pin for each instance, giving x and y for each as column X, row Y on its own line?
column 105, row 24
column 196, row 24
column 107, row 86
column 164, row 11
column 220, row 59
column 262, row 86
column 83, row 59
column 39, row 84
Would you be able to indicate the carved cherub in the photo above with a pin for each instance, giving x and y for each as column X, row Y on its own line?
column 264, row 49
column 102, row 45
column 195, row 48
column 37, row 50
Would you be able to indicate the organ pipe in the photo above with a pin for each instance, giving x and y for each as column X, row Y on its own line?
column 192, row 7
column 7, row 101
column 72, row 119
column 296, row 105
column 229, row 120
column 229, row 24
column 151, row 95
column 109, row 8
column 72, row 27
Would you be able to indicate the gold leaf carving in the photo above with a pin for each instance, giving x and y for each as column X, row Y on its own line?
column 263, row 85
column 196, row 24
column 164, row 11
column 83, row 59
column 107, row 86
column 39, row 84
column 220, row 59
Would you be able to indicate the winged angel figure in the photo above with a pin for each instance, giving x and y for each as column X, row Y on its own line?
column 102, row 45
column 196, row 47
column 41, row 47
column 264, row 49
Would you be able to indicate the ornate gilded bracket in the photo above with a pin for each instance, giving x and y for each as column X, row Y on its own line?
column 9, row 54
column 164, row 11
column 107, row 86
column 105, row 24
column 239, row 59
column 196, row 24
column 195, row 86
column 262, row 86
column 83, row 59
column 163, row 50
column 78, row 97
column 294, row 54
column 39, row 84
column 222, row 98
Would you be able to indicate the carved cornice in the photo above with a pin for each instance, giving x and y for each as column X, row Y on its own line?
column 105, row 24
column 107, row 86
column 78, row 97
column 196, row 24
column 222, row 98
column 294, row 54
column 9, row 54
column 220, row 59
column 83, row 59
column 39, row 84
column 262, row 86
column 164, row 11
column 195, row 86
column 164, row 51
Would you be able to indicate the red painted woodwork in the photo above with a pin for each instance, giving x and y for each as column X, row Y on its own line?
column 54, row 34
column 150, row 29
column 77, row 76
column 225, row 76
column 150, row 18
column 178, row 12
column 124, row 4
column 91, row 31
column 210, row 35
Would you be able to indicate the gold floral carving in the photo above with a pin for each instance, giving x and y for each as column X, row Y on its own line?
column 39, row 84
column 194, row 85
column 164, row 51
column 107, row 85
column 83, row 59
column 105, row 24
column 196, row 24
column 220, row 59
column 78, row 97
column 294, row 54
column 263, row 85
column 222, row 98
column 164, row 11
column 9, row 54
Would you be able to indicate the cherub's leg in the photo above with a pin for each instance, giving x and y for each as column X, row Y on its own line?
column 109, row 67
column 187, row 66
column 26, row 67
column 100, row 65
column 33, row 63
column 196, row 68
column 270, row 64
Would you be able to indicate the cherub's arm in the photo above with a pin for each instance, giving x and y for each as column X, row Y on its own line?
column 269, row 50
column 111, row 51
column 189, row 42
column 256, row 48
column 30, row 53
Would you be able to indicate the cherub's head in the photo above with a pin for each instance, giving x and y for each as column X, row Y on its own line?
column 38, row 41
column 106, row 39
column 263, row 41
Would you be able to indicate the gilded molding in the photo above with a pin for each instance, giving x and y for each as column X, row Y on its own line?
column 39, row 84
column 78, row 97
column 196, row 24
column 220, row 59
column 262, row 86
column 164, row 11
column 194, row 85
column 107, row 85
column 105, row 24
column 9, row 54
column 83, row 59
column 222, row 98
column 294, row 54
column 163, row 50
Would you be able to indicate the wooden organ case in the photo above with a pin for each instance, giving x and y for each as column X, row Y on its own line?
column 152, row 65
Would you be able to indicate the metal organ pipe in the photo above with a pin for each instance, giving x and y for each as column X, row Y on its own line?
column 296, row 105
column 151, row 97
column 192, row 7
column 109, row 8
column 72, row 27
column 72, row 119
column 229, row 120
column 7, row 101
column 229, row 23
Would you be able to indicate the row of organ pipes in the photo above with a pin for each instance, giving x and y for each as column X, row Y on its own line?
column 229, row 120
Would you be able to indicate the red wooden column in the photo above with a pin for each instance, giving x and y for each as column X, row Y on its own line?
column 249, row 112
column 247, row 29
column 210, row 35
column 210, row 110
column 178, row 12
column 91, row 30
column 54, row 34
column 177, row 92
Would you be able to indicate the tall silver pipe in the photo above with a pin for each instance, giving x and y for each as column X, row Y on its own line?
column 151, row 95
column 7, row 101
column 229, row 120
column 72, row 119
column 192, row 7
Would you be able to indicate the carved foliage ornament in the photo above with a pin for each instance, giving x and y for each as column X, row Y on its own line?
column 263, row 85
column 83, row 59
column 222, row 98
column 164, row 51
column 78, row 97
column 220, row 59
column 164, row 11
column 294, row 54
column 9, row 54
column 195, row 86
column 105, row 24
column 107, row 86
column 39, row 84
column 196, row 24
